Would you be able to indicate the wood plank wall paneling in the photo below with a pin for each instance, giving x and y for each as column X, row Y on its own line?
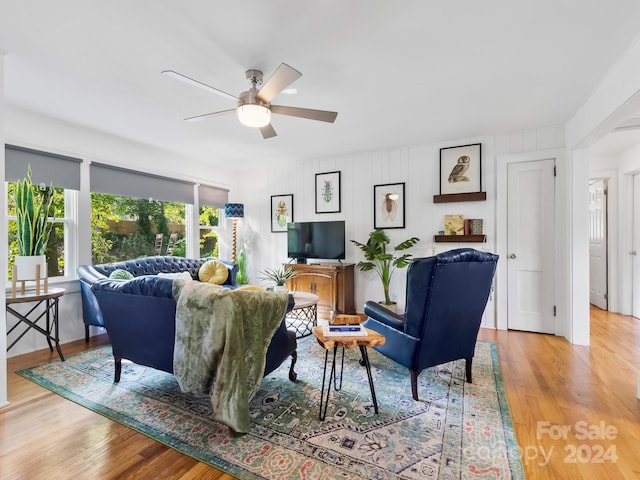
column 417, row 166
column 550, row 384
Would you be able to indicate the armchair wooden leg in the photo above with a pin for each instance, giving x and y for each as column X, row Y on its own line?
column 414, row 384
column 118, row 370
column 292, row 374
column 86, row 333
column 468, row 362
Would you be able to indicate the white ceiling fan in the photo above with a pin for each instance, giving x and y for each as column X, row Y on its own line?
column 254, row 106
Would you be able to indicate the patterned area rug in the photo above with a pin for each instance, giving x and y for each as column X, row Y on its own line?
column 456, row 431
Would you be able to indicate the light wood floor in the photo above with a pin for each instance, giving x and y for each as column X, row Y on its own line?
column 551, row 385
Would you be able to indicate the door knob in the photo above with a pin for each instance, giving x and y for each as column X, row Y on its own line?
column 512, row 256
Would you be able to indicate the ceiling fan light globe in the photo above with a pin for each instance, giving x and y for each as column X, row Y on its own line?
column 253, row 115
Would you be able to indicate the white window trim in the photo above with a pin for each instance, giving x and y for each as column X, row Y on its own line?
column 70, row 234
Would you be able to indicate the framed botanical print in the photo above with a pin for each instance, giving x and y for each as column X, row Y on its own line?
column 461, row 169
column 281, row 212
column 328, row 192
column 388, row 206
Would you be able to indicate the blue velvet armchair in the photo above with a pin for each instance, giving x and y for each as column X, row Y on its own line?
column 446, row 297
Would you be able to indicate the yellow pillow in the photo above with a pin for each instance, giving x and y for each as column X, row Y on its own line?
column 214, row 272
column 251, row 287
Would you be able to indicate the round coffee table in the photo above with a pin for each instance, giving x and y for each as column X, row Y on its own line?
column 304, row 314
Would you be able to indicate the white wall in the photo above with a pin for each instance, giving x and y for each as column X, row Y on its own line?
column 616, row 99
column 416, row 166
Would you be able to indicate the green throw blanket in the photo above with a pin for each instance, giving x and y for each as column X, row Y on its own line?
column 222, row 338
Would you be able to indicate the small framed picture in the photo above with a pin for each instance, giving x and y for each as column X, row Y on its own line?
column 328, row 192
column 388, row 205
column 281, row 212
column 461, row 169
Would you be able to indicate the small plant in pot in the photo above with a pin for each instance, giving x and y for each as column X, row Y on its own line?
column 383, row 262
column 278, row 276
column 33, row 205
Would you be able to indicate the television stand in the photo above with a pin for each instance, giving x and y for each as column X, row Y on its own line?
column 332, row 282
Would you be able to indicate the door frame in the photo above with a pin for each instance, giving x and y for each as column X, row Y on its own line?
column 605, row 183
column 502, row 162
column 628, row 240
column 613, row 237
column 625, row 240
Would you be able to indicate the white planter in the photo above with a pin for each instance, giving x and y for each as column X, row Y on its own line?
column 26, row 267
column 390, row 306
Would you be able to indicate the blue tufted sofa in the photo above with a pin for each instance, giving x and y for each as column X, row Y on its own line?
column 139, row 314
column 89, row 274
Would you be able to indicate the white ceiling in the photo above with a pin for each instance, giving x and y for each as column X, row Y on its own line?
column 399, row 73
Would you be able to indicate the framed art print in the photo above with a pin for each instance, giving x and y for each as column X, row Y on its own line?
column 328, row 192
column 461, row 169
column 388, row 206
column 281, row 212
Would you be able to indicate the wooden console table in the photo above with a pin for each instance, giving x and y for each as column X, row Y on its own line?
column 50, row 313
column 331, row 282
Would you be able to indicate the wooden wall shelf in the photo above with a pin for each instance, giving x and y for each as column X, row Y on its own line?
column 460, row 197
column 460, row 238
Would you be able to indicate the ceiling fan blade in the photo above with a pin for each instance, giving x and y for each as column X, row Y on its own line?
column 197, row 118
column 267, row 131
column 278, row 81
column 196, row 83
column 321, row 115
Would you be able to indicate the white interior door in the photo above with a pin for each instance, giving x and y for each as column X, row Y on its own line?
column 598, row 244
column 635, row 258
column 530, row 244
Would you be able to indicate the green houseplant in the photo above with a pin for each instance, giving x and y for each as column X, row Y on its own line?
column 278, row 276
column 33, row 205
column 384, row 263
column 242, row 276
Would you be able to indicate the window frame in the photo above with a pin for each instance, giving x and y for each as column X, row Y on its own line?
column 69, row 222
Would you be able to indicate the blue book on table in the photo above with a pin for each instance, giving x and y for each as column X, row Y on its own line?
column 344, row 328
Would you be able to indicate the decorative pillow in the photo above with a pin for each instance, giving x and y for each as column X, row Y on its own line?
column 251, row 287
column 120, row 274
column 214, row 272
column 182, row 275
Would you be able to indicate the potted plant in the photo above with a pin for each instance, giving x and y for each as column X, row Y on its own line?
column 278, row 276
column 242, row 276
column 384, row 263
column 33, row 205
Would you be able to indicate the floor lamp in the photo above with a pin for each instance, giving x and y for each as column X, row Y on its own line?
column 234, row 211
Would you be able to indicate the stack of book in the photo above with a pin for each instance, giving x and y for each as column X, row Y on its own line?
column 344, row 331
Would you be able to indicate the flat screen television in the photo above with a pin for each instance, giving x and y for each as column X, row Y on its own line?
column 316, row 240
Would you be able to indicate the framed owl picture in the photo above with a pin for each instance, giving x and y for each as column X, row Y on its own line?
column 461, row 169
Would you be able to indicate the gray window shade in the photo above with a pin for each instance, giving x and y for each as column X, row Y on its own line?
column 46, row 167
column 131, row 183
column 212, row 196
